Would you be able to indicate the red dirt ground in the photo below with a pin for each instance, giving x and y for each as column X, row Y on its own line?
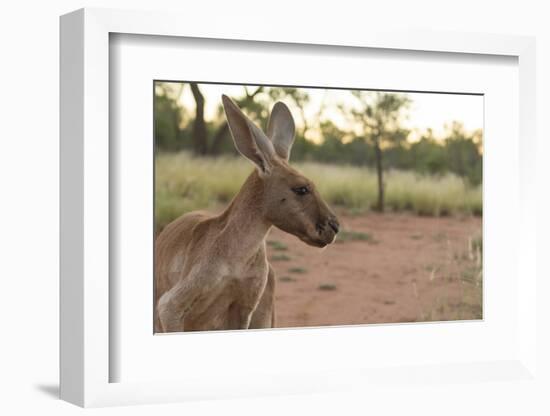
column 405, row 269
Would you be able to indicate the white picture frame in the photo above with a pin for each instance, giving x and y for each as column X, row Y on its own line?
column 85, row 212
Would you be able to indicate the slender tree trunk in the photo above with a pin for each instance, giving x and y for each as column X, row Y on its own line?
column 218, row 138
column 379, row 174
column 199, row 126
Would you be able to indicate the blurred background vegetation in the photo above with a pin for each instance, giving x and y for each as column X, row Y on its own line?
column 370, row 159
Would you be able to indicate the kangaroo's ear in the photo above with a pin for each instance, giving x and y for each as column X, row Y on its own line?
column 281, row 129
column 249, row 139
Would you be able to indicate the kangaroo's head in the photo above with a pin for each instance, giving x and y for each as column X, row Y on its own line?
column 290, row 201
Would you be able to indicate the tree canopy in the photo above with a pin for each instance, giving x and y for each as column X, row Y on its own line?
column 376, row 123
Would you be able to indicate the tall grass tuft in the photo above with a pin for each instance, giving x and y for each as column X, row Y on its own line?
column 185, row 183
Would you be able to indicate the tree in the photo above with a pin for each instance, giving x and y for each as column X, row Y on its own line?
column 200, row 138
column 205, row 138
column 169, row 116
column 428, row 156
column 379, row 116
column 464, row 153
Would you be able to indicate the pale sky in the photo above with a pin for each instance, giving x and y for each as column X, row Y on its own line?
column 427, row 110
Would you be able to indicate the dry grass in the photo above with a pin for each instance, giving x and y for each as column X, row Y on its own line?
column 185, row 183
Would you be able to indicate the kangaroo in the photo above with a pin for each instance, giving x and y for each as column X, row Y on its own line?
column 211, row 271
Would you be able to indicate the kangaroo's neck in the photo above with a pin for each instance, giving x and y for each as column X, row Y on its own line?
column 244, row 226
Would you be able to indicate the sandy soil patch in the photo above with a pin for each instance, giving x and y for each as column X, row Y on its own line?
column 383, row 268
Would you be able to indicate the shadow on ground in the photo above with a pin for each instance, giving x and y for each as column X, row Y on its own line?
column 51, row 390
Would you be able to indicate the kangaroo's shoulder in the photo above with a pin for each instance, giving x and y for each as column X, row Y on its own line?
column 178, row 233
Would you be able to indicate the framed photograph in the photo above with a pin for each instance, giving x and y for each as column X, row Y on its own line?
column 349, row 179
column 270, row 214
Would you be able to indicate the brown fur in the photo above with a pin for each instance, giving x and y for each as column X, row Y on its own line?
column 211, row 271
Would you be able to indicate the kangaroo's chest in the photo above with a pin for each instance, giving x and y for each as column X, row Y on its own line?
column 238, row 285
column 243, row 282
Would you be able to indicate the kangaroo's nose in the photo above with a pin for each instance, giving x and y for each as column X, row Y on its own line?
column 333, row 222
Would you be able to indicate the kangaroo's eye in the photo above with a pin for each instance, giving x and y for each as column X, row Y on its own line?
column 301, row 190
